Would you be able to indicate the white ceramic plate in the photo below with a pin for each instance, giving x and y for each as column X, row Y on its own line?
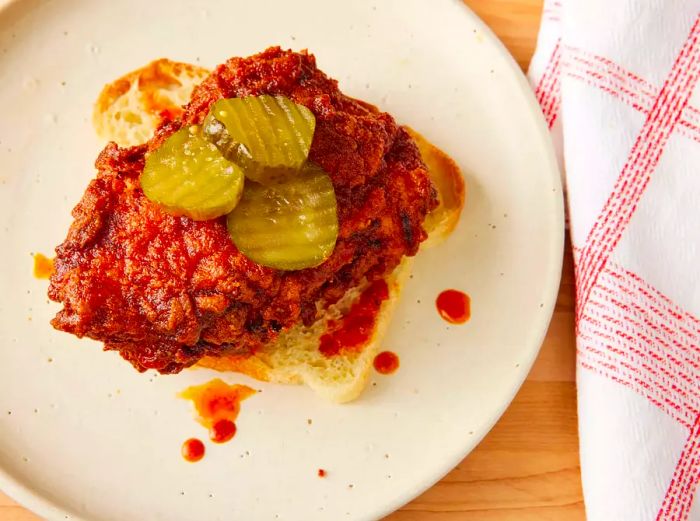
column 83, row 436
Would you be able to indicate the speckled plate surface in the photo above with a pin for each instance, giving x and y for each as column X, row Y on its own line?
column 83, row 436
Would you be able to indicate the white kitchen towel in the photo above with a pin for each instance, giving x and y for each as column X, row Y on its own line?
column 618, row 84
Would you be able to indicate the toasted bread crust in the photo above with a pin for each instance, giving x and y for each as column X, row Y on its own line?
column 252, row 366
column 449, row 183
column 130, row 108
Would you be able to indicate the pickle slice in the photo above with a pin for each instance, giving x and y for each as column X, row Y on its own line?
column 188, row 175
column 215, row 131
column 259, row 132
column 291, row 224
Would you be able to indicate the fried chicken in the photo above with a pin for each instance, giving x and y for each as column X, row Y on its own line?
column 165, row 291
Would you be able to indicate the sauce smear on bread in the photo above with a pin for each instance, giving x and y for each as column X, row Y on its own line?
column 355, row 329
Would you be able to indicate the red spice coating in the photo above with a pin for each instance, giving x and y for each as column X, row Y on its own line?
column 165, row 291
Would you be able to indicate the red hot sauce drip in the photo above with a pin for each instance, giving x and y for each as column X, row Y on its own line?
column 454, row 306
column 386, row 362
column 355, row 329
column 222, row 431
column 193, row 450
column 217, row 405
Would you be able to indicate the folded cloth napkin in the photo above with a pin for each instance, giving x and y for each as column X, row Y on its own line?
column 618, row 84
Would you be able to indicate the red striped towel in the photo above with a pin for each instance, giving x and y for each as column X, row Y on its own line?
column 618, row 84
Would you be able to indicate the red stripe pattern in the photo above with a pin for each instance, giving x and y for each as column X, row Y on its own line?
column 684, row 483
column 552, row 11
column 638, row 337
column 642, row 161
column 628, row 331
column 609, row 77
column 548, row 91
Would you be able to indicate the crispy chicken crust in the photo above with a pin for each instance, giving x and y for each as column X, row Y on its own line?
column 165, row 291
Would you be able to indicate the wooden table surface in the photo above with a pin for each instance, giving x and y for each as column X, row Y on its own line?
column 527, row 468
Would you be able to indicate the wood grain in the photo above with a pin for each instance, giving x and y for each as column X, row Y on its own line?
column 515, row 22
column 527, row 468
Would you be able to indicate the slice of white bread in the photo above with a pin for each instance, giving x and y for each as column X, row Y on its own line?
column 129, row 109
column 294, row 357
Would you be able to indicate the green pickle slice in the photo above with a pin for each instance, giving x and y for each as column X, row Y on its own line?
column 291, row 224
column 261, row 132
column 189, row 176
